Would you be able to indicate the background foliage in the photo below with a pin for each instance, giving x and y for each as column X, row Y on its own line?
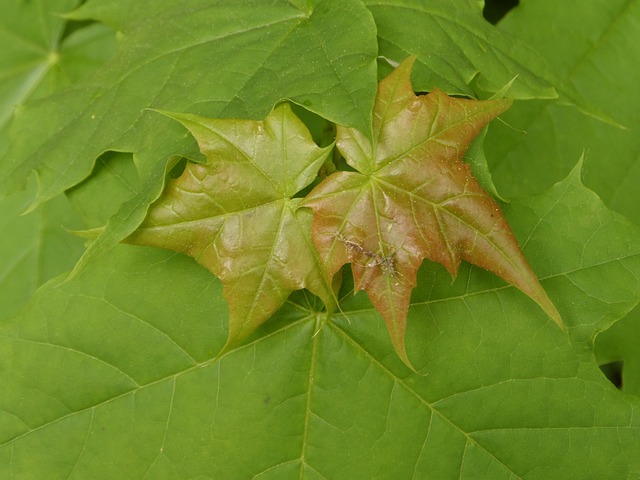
column 114, row 373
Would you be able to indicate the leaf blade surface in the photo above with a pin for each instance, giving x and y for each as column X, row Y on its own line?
column 236, row 216
column 162, row 58
column 412, row 198
column 137, row 335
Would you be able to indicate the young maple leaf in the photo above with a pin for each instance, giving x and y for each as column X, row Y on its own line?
column 413, row 197
column 236, row 216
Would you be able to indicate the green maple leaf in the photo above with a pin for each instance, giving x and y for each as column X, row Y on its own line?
column 40, row 57
column 412, row 198
column 116, row 373
column 159, row 64
column 36, row 59
column 458, row 50
column 236, row 215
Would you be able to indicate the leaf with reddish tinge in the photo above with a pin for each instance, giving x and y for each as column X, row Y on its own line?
column 413, row 198
column 236, row 215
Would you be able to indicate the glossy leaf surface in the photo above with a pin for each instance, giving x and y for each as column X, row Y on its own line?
column 236, row 216
column 413, row 198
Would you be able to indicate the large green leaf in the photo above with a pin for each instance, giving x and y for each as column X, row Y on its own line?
column 224, row 59
column 115, row 374
column 456, row 46
column 41, row 53
column 462, row 53
column 33, row 248
column 598, row 51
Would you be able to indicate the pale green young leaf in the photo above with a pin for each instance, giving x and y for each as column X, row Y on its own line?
column 236, row 214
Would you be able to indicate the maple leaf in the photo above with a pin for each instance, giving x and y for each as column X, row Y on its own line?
column 412, row 198
column 236, row 215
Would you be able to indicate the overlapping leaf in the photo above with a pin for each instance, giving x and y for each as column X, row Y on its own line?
column 229, row 59
column 413, row 198
column 116, row 374
column 461, row 52
column 236, row 215
column 601, row 61
column 222, row 59
column 39, row 54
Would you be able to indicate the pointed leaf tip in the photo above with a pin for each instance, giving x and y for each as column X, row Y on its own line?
column 412, row 198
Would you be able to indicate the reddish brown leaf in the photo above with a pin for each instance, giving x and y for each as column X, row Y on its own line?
column 413, row 198
column 236, row 216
